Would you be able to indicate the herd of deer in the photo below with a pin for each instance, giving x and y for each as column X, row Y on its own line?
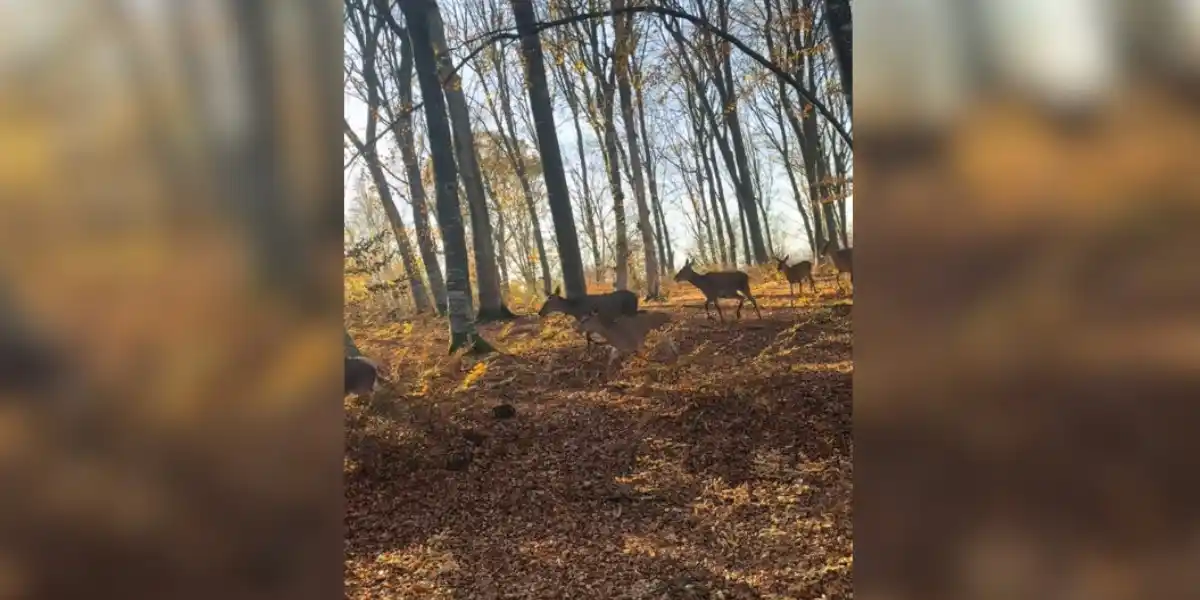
column 615, row 316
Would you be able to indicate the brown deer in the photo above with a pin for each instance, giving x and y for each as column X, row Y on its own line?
column 719, row 284
column 796, row 274
column 612, row 304
column 843, row 259
column 625, row 333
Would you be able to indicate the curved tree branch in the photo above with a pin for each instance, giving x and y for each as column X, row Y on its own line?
column 509, row 35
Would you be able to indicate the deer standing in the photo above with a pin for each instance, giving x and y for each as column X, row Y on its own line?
column 719, row 284
column 610, row 305
column 843, row 259
column 796, row 273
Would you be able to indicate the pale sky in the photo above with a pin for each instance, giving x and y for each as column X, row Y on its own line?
column 787, row 228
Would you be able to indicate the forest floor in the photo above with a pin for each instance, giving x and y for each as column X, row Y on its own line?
column 725, row 473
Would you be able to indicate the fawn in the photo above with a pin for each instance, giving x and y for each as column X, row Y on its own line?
column 719, row 284
column 612, row 304
column 796, row 273
column 842, row 259
column 625, row 333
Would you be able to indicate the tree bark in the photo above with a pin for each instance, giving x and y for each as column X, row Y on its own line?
column 589, row 218
column 624, row 51
column 491, row 303
column 369, row 33
column 837, row 18
column 458, row 283
column 557, row 193
column 509, row 141
column 402, row 130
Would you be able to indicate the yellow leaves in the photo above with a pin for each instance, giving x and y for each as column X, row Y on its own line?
column 479, row 370
column 580, row 67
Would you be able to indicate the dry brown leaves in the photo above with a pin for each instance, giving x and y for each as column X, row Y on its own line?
column 724, row 475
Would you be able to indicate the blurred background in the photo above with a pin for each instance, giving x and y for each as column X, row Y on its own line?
column 1026, row 342
column 169, row 298
column 170, row 284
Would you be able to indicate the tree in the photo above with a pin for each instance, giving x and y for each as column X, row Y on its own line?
column 491, row 303
column 458, row 284
column 624, row 52
column 402, row 130
column 368, row 32
column 552, row 166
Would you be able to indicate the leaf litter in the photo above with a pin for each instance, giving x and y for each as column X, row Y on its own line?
column 725, row 474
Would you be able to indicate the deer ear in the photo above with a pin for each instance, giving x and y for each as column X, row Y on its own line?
column 557, row 289
column 785, row 257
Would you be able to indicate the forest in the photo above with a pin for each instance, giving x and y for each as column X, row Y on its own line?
column 505, row 156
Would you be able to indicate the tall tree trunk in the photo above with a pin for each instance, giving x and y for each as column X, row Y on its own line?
column 458, row 282
column 589, row 219
column 614, row 182
column 714, row 175
column 491, row 303
column 624, row 51
column 370, row 51
column 510, row 142
column 744, row 194
column 704, row 173
column 665, row 253
column 402, row 130
column 501, row 246
column 557, row 193
column 759, row 194
column 837, row 18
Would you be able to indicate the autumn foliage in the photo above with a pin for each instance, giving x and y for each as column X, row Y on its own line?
column 724, row 472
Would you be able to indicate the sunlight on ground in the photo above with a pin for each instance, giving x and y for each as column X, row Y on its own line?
column 727, row 474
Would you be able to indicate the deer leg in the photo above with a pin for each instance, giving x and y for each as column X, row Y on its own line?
column 719, row 313
column 792, row 292
column 754, row 303
column 812, row 284
column 707, row 312
column 741, row 301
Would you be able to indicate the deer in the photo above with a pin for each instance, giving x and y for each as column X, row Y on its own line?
column 612, row 304
column 843, row 259
column 719, row 284
column 796, row 274
column 625, row 333
column 361, row 375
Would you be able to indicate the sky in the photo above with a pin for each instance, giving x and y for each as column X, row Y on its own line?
column 787, row 228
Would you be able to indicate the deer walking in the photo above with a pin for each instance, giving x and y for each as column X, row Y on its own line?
column 843, row 259
column 796, row 273
column 719, row 284
column 610, row 305
column 625, row 333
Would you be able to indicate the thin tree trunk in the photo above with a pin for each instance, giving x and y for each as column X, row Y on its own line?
column 557, row 193
column 458, row 283
column 665, row 252
column 491, row 304
column 370, row 51
column 624, row 51
column 509, row 141
column 501, row 244
column 614, row 182
column 589, row 219
column 714, row 178
column 703, row 173
column 402, row 130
